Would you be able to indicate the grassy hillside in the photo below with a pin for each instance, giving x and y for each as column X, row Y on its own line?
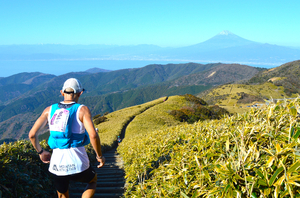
column 276, row 83
column 289, row 70
column 140, row 119
column 156, row 118
column 118, row 120
column 286, row 75
column 254, row 154
column 238, row 97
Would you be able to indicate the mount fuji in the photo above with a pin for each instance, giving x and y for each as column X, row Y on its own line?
column 224, row 39
column 230, row 48
column 225, row 47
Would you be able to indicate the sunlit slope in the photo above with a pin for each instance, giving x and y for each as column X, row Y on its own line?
column 276, row 83
column 141, row 119
column 290, row 71
column 246, row 155
column 156, row 117
column 117, row 120
column 236, row 97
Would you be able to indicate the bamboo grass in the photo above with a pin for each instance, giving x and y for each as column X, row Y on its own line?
column 254, row 154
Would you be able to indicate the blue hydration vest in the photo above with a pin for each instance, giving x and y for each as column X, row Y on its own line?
column 60, row 125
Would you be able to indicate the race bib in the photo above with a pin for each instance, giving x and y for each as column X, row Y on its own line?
column 59, row 120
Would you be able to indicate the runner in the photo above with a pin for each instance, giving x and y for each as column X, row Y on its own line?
column 119, row 140
column 71, row 128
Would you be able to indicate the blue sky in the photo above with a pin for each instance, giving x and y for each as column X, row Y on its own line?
column 160, row 22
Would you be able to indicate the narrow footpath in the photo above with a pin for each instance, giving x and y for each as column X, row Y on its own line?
column 110, row 182
column 111, row 179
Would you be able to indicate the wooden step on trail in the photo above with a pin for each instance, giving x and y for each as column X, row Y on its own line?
column 110, row 178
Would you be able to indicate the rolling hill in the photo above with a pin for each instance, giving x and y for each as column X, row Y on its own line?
column 110, row 91
column 276, row 83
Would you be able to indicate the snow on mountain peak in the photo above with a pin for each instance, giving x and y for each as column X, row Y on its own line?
column 225, row 32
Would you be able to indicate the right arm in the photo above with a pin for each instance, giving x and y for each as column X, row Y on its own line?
column 33, row 136
column 86, row 118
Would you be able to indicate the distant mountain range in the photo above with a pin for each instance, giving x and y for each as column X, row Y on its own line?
column 225, row 47
column 24, row 96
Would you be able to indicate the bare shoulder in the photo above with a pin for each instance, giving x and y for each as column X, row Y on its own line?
column 84, row 109
column 46, row 111
column 84, row 112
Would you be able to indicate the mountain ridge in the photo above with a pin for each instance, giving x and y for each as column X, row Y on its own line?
column 107, row 91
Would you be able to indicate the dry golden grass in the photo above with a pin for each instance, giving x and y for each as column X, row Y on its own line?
column 156, row 117
column 228, row 95
column 112, row 128
column 276, row 79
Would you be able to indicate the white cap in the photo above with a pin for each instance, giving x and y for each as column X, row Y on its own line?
column 74, row 84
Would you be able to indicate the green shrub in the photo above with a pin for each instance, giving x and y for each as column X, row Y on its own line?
column 179, row 115
column 22, row 173
column 194, row 99
column 99, row 119
column 197, row 110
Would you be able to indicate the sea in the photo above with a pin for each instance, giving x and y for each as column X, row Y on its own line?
column 60, row 67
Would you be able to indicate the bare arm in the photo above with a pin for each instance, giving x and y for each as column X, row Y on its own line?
column 86, row 118
column 33, row 135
